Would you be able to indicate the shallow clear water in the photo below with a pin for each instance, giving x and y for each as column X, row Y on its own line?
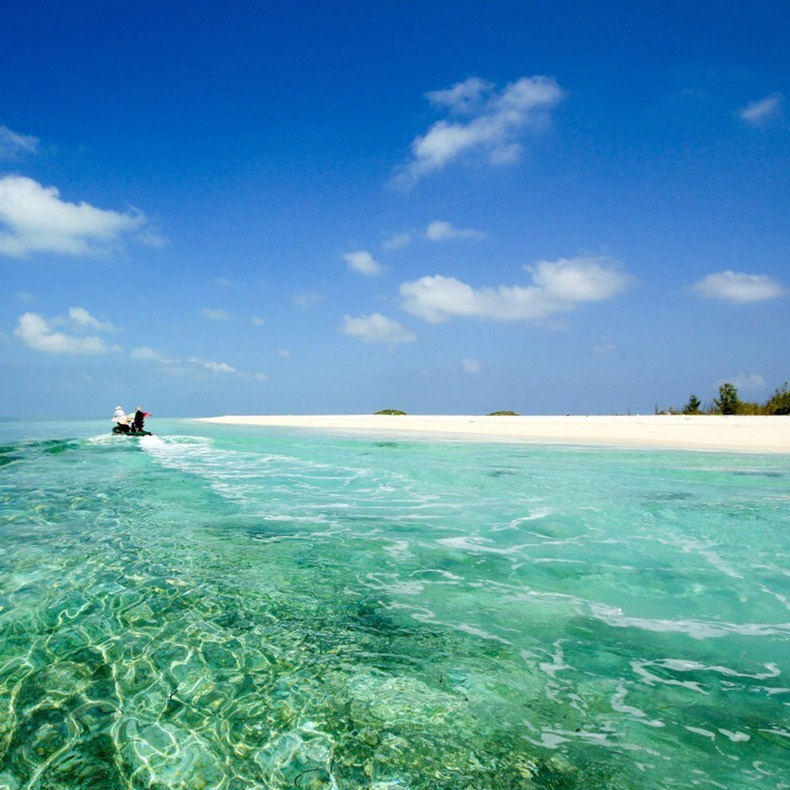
column 238, row 608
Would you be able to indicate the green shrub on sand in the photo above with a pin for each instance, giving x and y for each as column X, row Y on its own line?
column 504, row 414
column 729, row 402
column 391, row 411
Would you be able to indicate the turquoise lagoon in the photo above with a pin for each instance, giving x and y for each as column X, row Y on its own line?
column 234, row 608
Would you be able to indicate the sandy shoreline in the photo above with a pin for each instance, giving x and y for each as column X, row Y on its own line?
column 738, row 434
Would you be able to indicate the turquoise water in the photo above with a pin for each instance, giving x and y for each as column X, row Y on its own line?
column 249, row 608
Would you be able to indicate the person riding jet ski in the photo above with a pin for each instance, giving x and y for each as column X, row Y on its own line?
column 138, row 421
column 129, row 423
column 121, row 420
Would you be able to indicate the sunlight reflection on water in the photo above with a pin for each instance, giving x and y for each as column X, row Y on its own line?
column 243, row 608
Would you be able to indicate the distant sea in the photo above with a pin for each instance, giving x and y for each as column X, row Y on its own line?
column 235, row 607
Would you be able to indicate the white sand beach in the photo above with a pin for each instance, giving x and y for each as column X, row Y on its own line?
column 725, row 433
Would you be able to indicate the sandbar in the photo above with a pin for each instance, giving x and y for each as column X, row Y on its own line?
column 754, row 434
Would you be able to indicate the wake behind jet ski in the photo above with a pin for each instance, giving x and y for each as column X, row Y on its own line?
column 130, row 424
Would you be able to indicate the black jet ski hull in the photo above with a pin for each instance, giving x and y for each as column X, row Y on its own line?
column 131, row 433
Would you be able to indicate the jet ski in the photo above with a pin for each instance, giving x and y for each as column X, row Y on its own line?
column 127, row 431
column 130, row 424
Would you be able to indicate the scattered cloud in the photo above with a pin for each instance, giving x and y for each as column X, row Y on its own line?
column 604, row 347
column 174, row 365
column 397, row 242
column 376, row 328
column 257, row 321
column 13, row 146
column 444, row 231
column 307, row 298
column 151, row 237
column 750, row 381
column 738, row 287
column 362, row 261
column 223, row 282
column 487, row 126
column 465, row 97
column 471, row 365
column 81, row 317
column 33, row 218
column 38, row 333
column 758, row 113
column 558, row 286
column 214, row 367
column 25, row 296
column 284, row 353
column 215, row 314
column 149, row 354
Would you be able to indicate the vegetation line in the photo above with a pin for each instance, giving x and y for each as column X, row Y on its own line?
column 728, row 402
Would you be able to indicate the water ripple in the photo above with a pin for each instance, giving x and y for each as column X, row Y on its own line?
column 233, row 611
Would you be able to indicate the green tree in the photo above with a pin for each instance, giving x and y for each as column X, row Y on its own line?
column 750, row 407
column 779, row 402
column 727, row 402
column 692, row 407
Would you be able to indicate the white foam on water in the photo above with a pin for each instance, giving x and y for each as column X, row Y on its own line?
column 281, row 486
column 151, row 441
column 684, row 665
column 735, row 737
column 536, row 515
column 106, row 439
column 697, row 629
column 475, row 543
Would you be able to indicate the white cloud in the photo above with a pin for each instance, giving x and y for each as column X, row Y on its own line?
column 81, row 317
column 215, row 314
column 604, row 347
column 362, row 261
column 376, row 328
column 284, row 353
column 471, row 365
column 33, row 218
column 491, row 130
column 397, row 242
column 558, row 286
column 257, row 321
column 214, row 367
column 152, row 238
column 37, row 333
column 307, row 298
column 13, row 145
column 759, row 112
column 260, row 377
column 444, row 231
column 150, row 354
column 219, row 367
column 465, row 97
column 738, row 287
column 750, row 381
column 25, row 296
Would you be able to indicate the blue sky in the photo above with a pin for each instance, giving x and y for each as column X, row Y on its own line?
column 212, row 208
